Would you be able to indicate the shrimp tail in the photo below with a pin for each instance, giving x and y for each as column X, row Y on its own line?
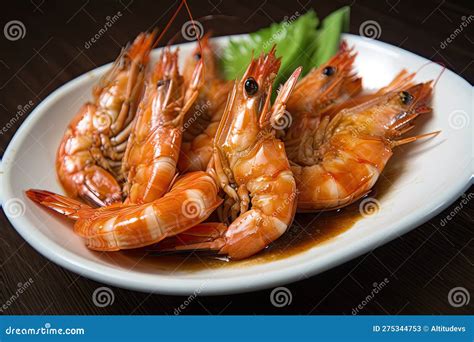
column 63, row 205
column 246, row 236
column 204, row 236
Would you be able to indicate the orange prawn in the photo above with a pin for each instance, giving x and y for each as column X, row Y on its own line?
column 190, row 201
column 154, row 144
column 352, row 148
column 320, row 90
column 202, row 120
column 250, row 166
column 89, row 157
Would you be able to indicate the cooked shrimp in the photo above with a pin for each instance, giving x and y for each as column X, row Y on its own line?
column 124, row 226
column 202, row 120
column 89, row 158
column 319, row 91
column 154, row 144
column 302, row 140
column 352, row 148
column 402, row 79
column 251, row 167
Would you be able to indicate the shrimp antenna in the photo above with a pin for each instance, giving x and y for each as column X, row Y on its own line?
column 443, row 68
column 170, row 22
column 217, row 16
column 183, row 2
column 194, row 25
column 204, row 19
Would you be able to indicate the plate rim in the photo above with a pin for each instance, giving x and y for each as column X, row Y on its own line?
column 165, row 284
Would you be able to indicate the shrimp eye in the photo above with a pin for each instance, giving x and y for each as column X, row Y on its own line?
column 197, row 56
column 406, row 97
column 329, row 70
column 160, row 83
column 251, row 86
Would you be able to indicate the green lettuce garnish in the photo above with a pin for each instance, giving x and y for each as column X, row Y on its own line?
column 329, row 34
column 298, row 41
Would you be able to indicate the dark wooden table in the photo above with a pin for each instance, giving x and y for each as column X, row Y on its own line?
column 422, row 266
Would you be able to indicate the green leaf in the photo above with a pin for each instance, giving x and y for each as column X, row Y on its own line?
column 328, row 36
column 291, row 38
column 298, row 41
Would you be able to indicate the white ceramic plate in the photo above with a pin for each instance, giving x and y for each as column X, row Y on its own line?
column 436, row 172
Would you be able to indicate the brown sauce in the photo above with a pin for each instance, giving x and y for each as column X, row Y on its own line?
column 307, row 231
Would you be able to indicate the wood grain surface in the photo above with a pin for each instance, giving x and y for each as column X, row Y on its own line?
column 421, row 267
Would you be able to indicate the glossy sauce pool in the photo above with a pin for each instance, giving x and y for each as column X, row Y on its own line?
column 307, row 231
